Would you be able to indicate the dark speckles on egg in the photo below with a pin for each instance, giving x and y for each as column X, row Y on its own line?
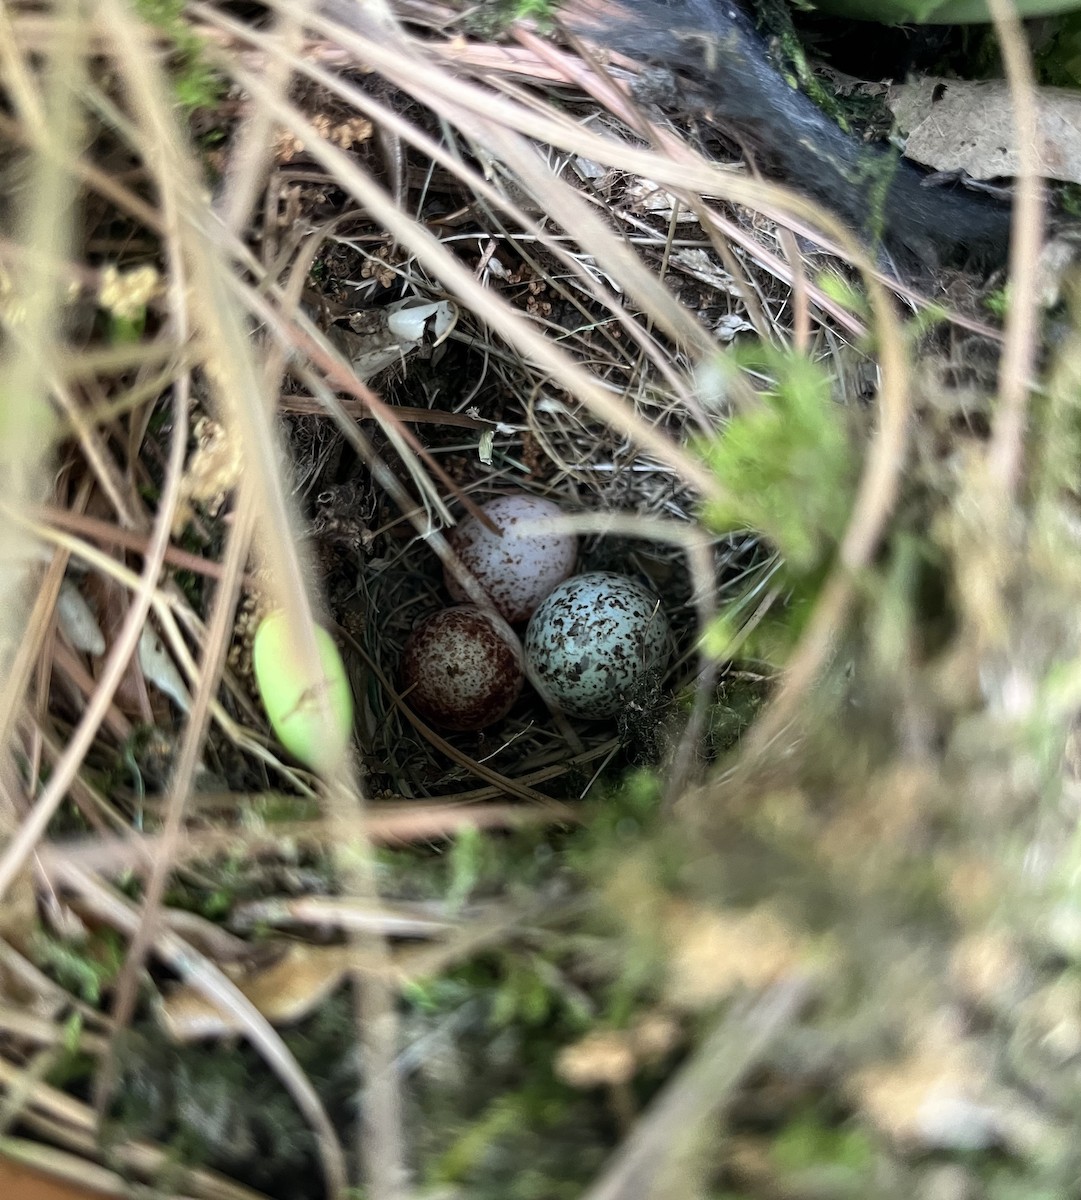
column 516, row 570
column 462, row 668
column 593, row 639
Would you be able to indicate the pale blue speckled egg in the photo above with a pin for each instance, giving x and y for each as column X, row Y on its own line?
column 594, row 640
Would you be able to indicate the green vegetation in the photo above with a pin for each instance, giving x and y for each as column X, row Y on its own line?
column 998, row 302
column 196, row 84
column 491, row 18
column 90, row 969
column 777, row 21
column 1058, row 61
column 817, row 1153
column 785, row 460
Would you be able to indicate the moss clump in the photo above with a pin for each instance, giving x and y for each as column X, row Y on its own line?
column 195, row 82
column 491, row 18
column 786, row 460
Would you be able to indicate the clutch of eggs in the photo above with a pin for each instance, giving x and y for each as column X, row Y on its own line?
column 462, row 668
column 594, row 640
column 515, row 570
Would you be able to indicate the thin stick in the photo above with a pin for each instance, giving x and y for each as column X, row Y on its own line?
column 1026, row 236
column 692, row 1100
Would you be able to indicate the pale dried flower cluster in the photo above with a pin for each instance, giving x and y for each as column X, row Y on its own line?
column 353, row 131
column 717, row 952
column 610, row 1057
column 125, row 294
column 212, row 471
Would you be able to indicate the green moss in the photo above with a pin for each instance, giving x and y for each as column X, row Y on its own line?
column 737, row 703
column 998, row 302
column 523, row 1145
column 622, row 811
column 87, row 969
column 786, row 461
column 474, row 866
column 74, row 1066
column 466, row 862
column 777, row 21
column 1058, row 62
column 195, row 82
column 462, row 1157
column 809, row 1142
column 126, row 331
column 490, row 19
column 1068, row 196
column 536, row 10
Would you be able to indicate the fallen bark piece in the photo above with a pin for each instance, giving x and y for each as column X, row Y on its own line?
column 961, row 125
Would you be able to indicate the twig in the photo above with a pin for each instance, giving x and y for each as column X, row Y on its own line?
column 1006, row 455
column 407, row 824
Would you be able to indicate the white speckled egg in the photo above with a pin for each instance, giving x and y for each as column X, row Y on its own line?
column 593, row 639
column 515, row 570
column 462, row 668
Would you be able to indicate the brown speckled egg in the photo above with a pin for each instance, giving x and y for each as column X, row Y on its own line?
column 464, row 667
column 516, row 570
column 594, row 640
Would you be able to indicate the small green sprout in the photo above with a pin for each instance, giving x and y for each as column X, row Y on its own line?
column 998, row 302
column 196, row 84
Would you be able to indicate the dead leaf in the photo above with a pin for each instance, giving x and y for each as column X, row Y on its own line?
column 959, row 125
column 715, row 952
column 284, row 992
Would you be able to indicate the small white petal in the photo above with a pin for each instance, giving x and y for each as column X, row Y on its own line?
column 77, row 621
column 159, row 668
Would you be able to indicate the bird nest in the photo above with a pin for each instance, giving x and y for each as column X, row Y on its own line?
column 534, row 440
column 466, row 413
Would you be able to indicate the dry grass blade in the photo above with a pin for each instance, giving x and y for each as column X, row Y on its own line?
column 58, row 1176
column 459, row 281
column 1020, row 344
column 665, row 1140
column 385, row 824
column 219, row 990
column 25, row 422
column 21, row 845
column 184, row 774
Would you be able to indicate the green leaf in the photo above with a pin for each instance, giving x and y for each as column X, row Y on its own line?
column 309, row 705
